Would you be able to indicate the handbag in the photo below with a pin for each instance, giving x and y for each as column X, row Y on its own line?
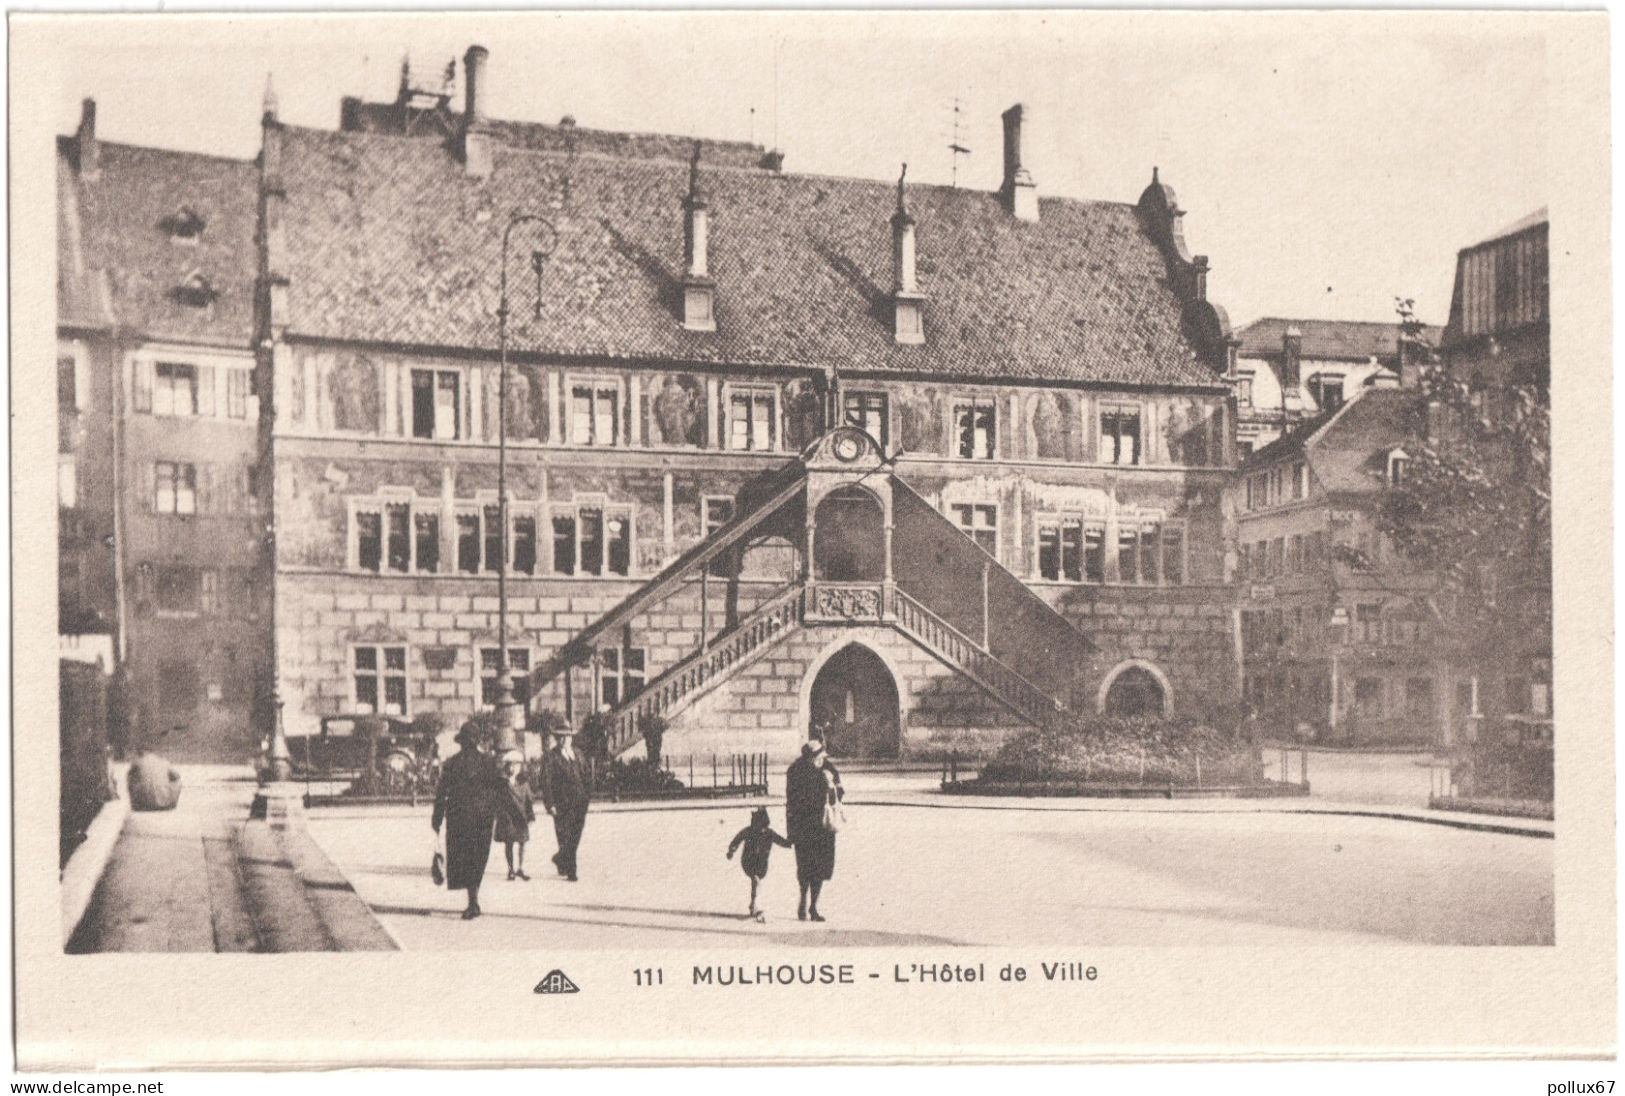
column 834, row 813
column 437, row 865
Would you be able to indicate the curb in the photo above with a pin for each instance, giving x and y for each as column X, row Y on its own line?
column 83, row 872
column 346, row 916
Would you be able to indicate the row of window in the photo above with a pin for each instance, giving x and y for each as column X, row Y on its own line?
column 380, row 675
column 1074, row 550
column 1276, row 486
column 397, row 537
column 185, row 391
column 751, row 418
column 180, row 591
column 1326, row 389
column 1286, row 555
column 182, row 488
column 1262, row 629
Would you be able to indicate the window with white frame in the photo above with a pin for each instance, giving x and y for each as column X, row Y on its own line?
column 491, row 677
column 1326, row 389
column 592, row 540
column 752, row 418
column 237, row 384
column 620, row 675
column 1120, row 434
column 437, row 404
column 1071, row 549
column 1398, row 463
column 379, row 679
column 976, row 423
column 67, row 481
column 980, row 522
column 595, row 412
column 174, row 389
column 1244, row 389
column 868, row 412
column 174, row 487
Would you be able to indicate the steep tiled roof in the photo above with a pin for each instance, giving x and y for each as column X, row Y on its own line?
column 390, row 240
column 1347, row 448
column 127, row 263
column 1350, row 340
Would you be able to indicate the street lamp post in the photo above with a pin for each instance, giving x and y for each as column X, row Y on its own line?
column 509, row 715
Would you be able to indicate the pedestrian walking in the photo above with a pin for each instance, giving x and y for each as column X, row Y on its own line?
column 566, row 793
column 470, row 795
column 513, row 823
column 812, row 799
column 758, row 838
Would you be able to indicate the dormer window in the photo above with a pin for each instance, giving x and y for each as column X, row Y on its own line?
column 184, row 226
column 196, row 291
column 1326, row 389
column 1398, row 465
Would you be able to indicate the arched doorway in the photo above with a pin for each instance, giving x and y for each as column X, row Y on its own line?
column 1135, row 692
column 849, row 537
column 854, row 704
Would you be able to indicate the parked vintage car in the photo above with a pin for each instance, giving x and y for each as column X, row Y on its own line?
column 352, row 746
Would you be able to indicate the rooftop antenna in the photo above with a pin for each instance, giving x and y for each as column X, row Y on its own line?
column 957, row 147
column 753, row 125
column 777, row 49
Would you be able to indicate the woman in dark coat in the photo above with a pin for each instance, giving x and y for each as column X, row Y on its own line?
column 472, row 792
column 810, row 783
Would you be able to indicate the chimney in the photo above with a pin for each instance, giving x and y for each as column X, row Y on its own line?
column 699, row 291
column 476, row 141
column 1199, row 277
column 1291, row 357
column 1019, row 191
column 473, row 76
column 908, row 304
column 90, row 156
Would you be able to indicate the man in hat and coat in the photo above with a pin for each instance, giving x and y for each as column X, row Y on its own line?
column 566, row 793
column 471, row 793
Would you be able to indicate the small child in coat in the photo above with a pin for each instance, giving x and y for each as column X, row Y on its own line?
column 514, row 817
column 758, row 839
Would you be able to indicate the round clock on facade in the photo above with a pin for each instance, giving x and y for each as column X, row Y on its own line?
column 848, row 448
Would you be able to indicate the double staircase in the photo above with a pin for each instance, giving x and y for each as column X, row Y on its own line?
column 948, row 589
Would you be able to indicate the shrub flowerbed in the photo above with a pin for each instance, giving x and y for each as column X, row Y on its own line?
column 1113, row 750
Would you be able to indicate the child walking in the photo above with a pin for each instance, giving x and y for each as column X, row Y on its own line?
column 513, row 822
column 758, row 839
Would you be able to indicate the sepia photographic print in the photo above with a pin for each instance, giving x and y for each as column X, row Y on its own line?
column 1025, row 536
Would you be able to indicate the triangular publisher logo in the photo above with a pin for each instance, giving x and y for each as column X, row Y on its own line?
column 557, row 982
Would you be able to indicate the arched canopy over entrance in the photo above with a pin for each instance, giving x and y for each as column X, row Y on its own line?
column 1135, row 691
column 849, row 537
column 854, row 705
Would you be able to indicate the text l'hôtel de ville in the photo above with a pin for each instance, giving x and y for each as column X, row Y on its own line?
column 926, row 973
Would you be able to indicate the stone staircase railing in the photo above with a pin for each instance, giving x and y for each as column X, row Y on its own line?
column 707, row 667
column 970, row 658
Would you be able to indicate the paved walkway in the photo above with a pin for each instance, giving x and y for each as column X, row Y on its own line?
column 209, row 877
column 1008, row 873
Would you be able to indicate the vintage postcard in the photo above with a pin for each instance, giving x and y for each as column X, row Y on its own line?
column 1024, row 536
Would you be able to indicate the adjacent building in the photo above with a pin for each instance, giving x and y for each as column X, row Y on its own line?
column 160, row 537
column 1288, row 371
column 908, row 464
column 1498, row 344
column 1340, row 637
